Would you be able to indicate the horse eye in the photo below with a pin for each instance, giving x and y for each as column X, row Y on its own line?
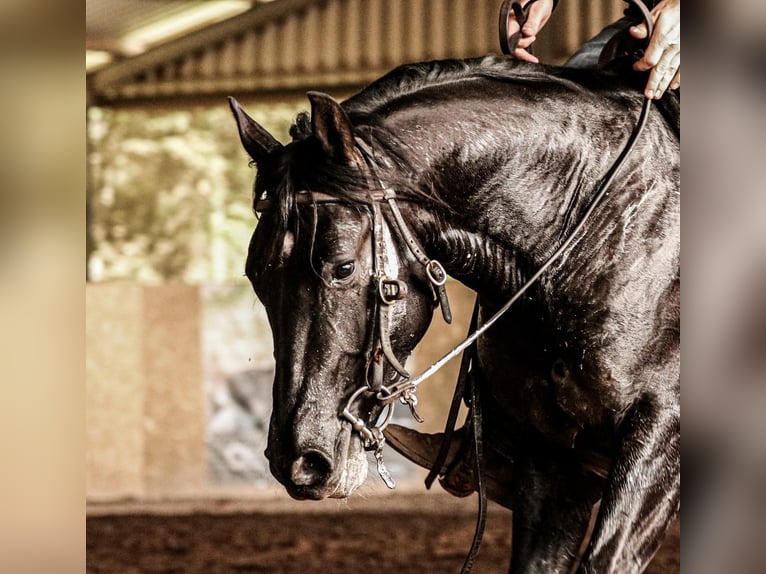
column 344, row 270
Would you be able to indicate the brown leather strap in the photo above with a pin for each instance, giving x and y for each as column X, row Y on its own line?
column 379, row 266
column 434, row 269
column 318, row 197
column 481, row 519
column 457, row 399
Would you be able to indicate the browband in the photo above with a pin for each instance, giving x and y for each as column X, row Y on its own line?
column 317, row 197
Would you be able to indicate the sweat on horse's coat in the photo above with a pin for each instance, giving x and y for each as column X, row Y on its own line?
column 496, row 161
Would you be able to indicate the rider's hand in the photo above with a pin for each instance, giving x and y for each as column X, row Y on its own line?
column 663, row 55
column 539, row 13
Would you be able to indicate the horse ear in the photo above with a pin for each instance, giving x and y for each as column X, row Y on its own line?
column 258, row 143
column 331, row 127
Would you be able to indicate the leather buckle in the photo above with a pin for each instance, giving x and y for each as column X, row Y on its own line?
column 436, row 273
column 391, row 290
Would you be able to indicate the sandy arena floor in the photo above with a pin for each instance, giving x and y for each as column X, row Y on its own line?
column 401, row 533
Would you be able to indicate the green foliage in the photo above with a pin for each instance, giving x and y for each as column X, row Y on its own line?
column 171, row 197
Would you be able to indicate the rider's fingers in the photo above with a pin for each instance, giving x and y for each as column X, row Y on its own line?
column 663, row 73
column 652, row 55
column 539, row 13
column 676, row 82
column 526, row 42
column 513, row 23
column 522, row 54
column 667, row 32
column 538, row 16
column 638, row 31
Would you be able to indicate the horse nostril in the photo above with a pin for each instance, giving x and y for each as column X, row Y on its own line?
column 311, row 469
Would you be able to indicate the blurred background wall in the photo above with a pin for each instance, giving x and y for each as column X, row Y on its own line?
column 179, row 350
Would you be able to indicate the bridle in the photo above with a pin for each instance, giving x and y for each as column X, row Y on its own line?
column 387, row 290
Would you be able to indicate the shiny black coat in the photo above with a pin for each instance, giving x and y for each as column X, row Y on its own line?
column 499, row 160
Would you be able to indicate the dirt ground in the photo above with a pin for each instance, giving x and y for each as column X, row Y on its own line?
column 392, row 535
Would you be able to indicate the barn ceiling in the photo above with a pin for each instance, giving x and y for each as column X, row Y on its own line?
column 121, row 28
column 180, row 51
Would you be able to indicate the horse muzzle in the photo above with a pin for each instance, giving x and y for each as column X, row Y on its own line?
column 313, row 472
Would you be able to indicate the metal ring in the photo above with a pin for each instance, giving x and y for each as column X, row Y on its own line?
column 389, row 416
column 401, row 287
column 440, row 269
column 383, row 394
column 360, row 425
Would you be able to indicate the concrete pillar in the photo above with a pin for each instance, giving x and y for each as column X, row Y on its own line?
column 174, row 413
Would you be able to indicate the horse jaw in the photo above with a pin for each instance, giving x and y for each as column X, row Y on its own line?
column 349, row 463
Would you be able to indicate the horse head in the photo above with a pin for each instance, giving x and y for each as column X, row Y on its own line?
column 324, row 260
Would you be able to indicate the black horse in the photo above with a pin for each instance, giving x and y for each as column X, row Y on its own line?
column 485, row 165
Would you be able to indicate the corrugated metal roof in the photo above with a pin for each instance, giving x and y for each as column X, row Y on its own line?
column 289, row 46
column 128, row 27
column 113, row 19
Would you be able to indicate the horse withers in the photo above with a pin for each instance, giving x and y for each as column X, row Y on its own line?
column 486, row 166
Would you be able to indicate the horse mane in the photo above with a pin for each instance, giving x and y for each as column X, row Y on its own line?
column 363, row 110
column 411, row 78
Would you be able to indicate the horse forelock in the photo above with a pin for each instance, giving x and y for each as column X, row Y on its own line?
column 303, row 166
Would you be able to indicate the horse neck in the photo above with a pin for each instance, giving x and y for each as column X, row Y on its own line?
column 516, row 175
